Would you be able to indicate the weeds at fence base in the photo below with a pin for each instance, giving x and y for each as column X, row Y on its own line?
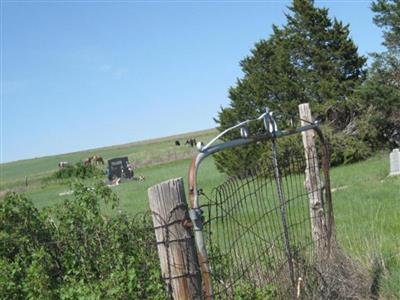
column 339, row 277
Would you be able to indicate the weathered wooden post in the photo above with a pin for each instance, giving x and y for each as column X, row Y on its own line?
column 175, row 244
column 313, row 183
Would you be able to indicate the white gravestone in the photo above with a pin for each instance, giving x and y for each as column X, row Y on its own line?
column 395, row 162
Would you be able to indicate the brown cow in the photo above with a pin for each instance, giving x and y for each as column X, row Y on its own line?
column 96, row 159
column 87, row 161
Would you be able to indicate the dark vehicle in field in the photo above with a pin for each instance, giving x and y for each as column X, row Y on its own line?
column 119, row 168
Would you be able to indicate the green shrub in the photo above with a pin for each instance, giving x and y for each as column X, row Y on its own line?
column 10, row 279
column 73, row 251
column 79, row 171
column 344, row 148
column 247, row 291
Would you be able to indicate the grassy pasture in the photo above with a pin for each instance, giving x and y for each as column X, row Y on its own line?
column 143, row 153
column 366, row 201
column 367, row 213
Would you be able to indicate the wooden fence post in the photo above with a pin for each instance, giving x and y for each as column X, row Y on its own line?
column 175, row 244
column 313, row 183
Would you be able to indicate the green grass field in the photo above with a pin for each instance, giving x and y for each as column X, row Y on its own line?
column 143, row 153
column 366, row 201
column 367, row 213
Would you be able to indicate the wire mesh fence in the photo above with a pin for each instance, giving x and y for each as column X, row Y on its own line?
column 260, row 234
column 258, row 228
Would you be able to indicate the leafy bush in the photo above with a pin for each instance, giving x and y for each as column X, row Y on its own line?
column 79, row 171
column 73, row 251
column 247, row 291
column 344, row 148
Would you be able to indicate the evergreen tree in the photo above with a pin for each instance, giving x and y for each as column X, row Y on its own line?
column 388, row 17
column 381, row 91
column 310, row 59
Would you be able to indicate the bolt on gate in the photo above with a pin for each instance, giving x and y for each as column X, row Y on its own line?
column 260, row 233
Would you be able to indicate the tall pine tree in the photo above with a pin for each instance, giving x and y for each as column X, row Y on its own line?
column 310, row 59
column 380, row 94
column 388, row 17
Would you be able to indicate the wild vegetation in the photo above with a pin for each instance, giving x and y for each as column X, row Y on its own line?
column 73, row 251
column 79, row 170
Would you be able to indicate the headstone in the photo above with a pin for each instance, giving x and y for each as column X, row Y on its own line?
column 395, row 162
column 118, row 167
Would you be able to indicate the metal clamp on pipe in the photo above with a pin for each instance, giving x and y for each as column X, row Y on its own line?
column 196, row 215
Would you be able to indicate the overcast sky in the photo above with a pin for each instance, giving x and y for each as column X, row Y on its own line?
column 83, row 74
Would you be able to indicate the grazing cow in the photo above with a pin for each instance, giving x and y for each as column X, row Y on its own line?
column 63, row 164
column 177, row 143
column 191, row 142
column 96, row 159
column 87, row 161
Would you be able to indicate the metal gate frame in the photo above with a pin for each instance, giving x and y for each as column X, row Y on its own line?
column 271, row 133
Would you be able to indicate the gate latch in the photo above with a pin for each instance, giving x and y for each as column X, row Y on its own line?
column 196, row 215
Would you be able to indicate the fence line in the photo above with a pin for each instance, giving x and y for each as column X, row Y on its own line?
column 261, row 233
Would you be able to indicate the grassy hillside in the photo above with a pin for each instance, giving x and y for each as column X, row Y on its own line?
column 367, row 217
column 143, row 153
